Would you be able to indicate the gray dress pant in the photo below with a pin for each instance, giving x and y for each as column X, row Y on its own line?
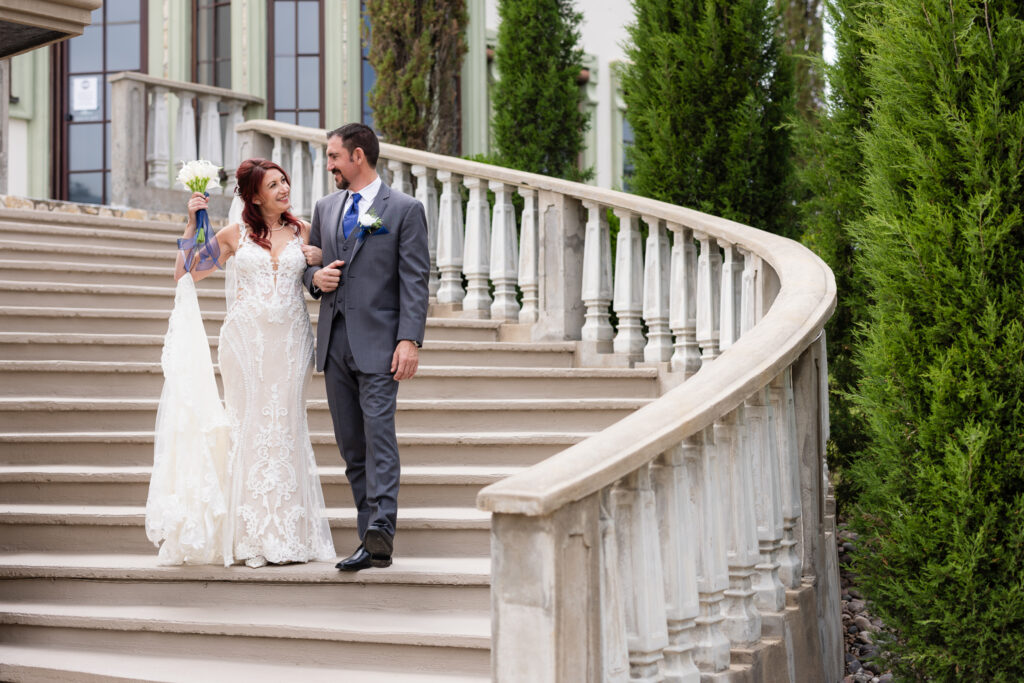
column 363, row 410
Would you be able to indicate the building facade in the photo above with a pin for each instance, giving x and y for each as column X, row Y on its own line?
column 305, row 58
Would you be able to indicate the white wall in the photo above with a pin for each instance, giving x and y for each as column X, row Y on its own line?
column 17, row 158
column 602, row 33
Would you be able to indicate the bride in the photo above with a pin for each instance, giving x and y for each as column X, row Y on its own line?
column 270, row 507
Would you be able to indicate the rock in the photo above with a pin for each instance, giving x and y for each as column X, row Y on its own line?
column 856, row 606
column 885, row 678
column 848, row 547
column 853, row 629
column 873, row 668
column 856, row 593
column 862, row 623
column 853, row 665
column 864, row 637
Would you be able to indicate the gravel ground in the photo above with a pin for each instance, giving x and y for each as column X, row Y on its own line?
column 859, row 627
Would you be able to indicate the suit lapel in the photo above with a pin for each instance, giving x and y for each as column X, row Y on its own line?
column 333, row 223
column 378, row 207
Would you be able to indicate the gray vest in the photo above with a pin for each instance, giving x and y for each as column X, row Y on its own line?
column 345, row 249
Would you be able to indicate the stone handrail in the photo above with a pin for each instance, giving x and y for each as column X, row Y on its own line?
column 671, row 544
column 143, row 162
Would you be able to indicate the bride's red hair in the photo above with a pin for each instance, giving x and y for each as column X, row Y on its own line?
column 250, row 175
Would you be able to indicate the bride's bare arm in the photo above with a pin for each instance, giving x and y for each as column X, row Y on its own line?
column 227, row 240
column 314, row 257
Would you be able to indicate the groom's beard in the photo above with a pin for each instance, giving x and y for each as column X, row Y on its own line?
column 340, row 181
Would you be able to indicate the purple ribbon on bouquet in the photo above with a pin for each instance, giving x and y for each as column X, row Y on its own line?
column 201, row 243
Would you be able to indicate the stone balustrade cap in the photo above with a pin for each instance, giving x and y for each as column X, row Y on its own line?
column 181, row 86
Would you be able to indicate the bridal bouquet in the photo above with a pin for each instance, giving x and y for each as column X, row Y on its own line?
column 200, row 176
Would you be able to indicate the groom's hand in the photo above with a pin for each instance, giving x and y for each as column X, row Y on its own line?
column 405, row 361
column 326, row 279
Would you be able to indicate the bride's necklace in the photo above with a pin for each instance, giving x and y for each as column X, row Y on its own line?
column 280, row 227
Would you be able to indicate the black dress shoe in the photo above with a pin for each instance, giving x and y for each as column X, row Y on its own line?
column 360, row 559
column 378, row 542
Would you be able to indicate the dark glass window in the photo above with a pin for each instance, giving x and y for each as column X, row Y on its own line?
column 296, row 63
column 212, row 42
column 112, row 42
column 368, row 76
column 627, row 164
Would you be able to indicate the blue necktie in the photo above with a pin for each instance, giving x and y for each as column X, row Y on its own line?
column 348, row 223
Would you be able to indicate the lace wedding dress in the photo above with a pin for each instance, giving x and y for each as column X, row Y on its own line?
column 272, row 505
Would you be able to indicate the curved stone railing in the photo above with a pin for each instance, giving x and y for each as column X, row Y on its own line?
column 693, row 534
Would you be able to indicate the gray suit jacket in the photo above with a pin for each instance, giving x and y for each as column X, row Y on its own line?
column 384, row 280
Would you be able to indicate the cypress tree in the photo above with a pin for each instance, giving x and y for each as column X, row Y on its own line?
column 941, row 515
column 708, row 89
column 830, row 172
column 538, row 121
column 417, row 56
column 801, row 30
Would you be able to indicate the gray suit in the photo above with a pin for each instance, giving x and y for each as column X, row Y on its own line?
column 381, row 299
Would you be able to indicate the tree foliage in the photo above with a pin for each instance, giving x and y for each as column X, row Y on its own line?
column 708, row 89
column 801, row 30
column 830, row 169
column 417, row 56
column 538, row 121
column 941, row 250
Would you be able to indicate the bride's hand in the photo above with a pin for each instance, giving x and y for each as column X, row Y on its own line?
column 196, row 202
column 314, row 257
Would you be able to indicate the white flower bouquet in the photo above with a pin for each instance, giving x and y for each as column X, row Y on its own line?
column 200, row 176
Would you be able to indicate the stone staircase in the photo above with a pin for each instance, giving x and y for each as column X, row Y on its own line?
column 83, row 308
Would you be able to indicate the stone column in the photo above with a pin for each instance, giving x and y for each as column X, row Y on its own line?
column 127, row 140
column 560, row 268
column 5, row 83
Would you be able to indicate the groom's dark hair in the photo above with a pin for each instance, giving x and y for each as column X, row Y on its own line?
column 358, row 135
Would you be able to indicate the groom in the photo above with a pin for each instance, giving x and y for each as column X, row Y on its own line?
column 373, row 310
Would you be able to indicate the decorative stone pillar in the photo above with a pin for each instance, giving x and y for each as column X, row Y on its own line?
column 127, row 139
column 707, row 503
column 763, row 445
column 426, row 193
column 560, row 264
column 158, row 143
column 729, row 316
column 211, row 147
column 450, row 240
column 709, row 279
column 656, row 292
column 318, row 176
column 614, row 638
column 236, row 115
column 750, row 309
column 640, row 569
column 628, row 290
column 597, row 277
column 298, row 177
column 790, row 564
column 504, row 254
column 676, row 524
column 476, row 267
column 683, row 301
column 528, row 254
column 5, row 84
column 742, row 620
column 400, row 179
column 185, row 141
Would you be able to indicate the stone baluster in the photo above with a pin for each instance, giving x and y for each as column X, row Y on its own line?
column 504, row 254
column 236, row 115
column 683, row 301
column 742, row 620
column 656, row 292
column 790, row 562
column 426, row 192
column 729, row 316
column 672, row 487
column 400, row 179
column 711, row 650
column 628, row 290
column 709, row 278
column 185, row 140
column 750, row 311
column 640, row 569
column 528, row 255
column 762, row 441
column 477, row 303
column 298, row 178
column 318, row 179
column 450, row 240
column 277, row 151
column 211, row 147
column 597, row 276
column 614, row 639
column 158, row 146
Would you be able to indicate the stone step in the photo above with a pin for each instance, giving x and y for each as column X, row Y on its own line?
column 145, row 235
column 102, row 257
column 424, row 416
column 87, row 295
column 64, row 319
column 88, row 379
column 48, row 664
column 134, row 221
column 429, row 583
column 122, row 485
column 130, row 275
column 135, row 449
column 148, row 347
column 404, row 640
column 422, row 532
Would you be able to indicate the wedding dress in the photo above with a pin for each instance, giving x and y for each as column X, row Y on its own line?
column 271, row 505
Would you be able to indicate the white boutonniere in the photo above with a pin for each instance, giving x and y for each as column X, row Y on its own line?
column 371, row 224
